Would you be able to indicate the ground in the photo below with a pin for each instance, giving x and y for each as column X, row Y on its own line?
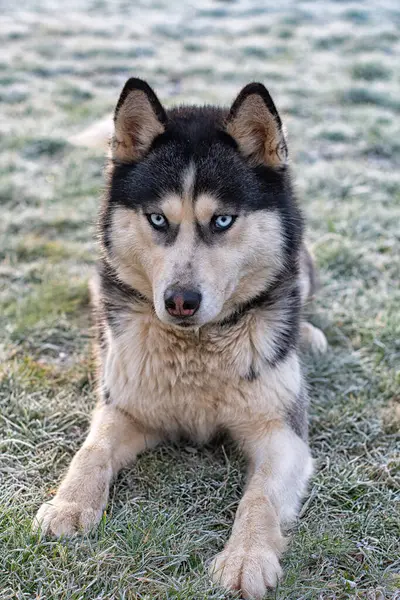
column 333, row 69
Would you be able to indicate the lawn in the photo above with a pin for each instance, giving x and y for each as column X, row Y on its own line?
column 333, row 69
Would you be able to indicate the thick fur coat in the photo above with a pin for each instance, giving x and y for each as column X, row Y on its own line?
column 198, row 302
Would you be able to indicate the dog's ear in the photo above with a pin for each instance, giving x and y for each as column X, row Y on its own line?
column 255, row 124
column 138, row 119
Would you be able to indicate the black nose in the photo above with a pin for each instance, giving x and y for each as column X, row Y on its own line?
column 181, row 303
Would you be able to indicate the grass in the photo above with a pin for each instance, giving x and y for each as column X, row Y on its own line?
column 331, row 67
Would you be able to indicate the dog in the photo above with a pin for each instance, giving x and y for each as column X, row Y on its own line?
column 199, row 300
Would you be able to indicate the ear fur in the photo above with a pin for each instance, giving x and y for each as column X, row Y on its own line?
column 255, row 124
column 139, row 118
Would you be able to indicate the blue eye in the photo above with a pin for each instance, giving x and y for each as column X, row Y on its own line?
column 158, row 221
column 223, row 222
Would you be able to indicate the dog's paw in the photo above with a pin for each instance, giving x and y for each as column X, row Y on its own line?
column 251, row 571
column 313, row 338
column 59, row 517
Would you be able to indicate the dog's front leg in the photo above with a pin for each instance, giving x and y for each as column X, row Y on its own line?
column 280, row 466
column 112, row 442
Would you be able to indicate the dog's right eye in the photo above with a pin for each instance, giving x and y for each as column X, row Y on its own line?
column 158, row 221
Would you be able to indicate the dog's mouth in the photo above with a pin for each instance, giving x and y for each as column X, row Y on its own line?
column 185, row 323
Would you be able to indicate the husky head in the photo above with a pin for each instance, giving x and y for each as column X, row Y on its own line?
column 199, row 216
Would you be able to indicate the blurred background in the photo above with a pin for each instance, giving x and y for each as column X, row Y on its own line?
column 333, row 69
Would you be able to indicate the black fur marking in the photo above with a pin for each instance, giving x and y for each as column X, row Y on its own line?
column 107, row 396
column 196, row 135
column 117, row 296
column 297, row 415
column 168, row 237
column 284, row 283
column 205, row 234
column 252, row 374
column 287, row 331
column 98, row 319
column 283, row 297
column 110, row 282
column 142, row 185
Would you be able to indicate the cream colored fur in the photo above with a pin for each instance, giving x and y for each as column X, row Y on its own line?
column 163, row 381
column 159, row 381
column 258, row 134
column 203, row 392
column 225, row 274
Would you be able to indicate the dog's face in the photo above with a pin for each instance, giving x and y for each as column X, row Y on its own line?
column 195, row 218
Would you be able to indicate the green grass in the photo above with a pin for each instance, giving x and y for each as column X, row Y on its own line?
column 333, row 70
column 370, row 71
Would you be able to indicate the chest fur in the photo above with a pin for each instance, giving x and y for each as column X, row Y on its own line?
column 193, row 382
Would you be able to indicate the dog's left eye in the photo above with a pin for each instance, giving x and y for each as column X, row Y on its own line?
column 158, row 221
column 223, row 222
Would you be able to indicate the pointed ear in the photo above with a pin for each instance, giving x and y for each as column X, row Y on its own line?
column 255, row 124
column 138, row 119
